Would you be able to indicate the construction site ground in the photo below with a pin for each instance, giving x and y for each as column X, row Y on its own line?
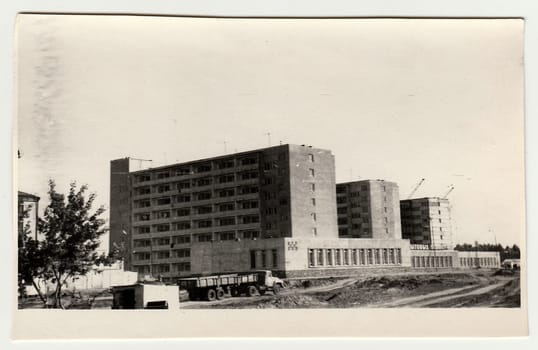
column 457, row 288
column 427, row 289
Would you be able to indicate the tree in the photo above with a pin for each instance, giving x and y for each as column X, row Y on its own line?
column 70, row 237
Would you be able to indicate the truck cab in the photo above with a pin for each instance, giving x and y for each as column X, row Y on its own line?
column 266, row 281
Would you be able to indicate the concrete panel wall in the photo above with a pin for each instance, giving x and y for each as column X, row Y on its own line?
column 313, row 209
column 120, row 209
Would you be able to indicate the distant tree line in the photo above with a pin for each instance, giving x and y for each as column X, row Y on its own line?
column 505, row 252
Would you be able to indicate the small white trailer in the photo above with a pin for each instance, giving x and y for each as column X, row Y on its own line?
column 145, row 296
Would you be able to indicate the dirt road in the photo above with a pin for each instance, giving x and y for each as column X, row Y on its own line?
column 456, row 289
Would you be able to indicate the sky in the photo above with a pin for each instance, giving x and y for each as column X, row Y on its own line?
column 393, row 99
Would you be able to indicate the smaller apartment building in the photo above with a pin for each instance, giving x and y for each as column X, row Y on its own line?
column 368, row 209
column 426, row 221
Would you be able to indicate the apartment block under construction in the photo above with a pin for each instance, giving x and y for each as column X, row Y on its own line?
column 157, row 214
column 368, row 209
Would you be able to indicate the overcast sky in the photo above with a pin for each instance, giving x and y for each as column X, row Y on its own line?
column 393, row 99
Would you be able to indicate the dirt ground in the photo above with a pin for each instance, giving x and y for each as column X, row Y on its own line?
column 448, row 289
column 481, row 288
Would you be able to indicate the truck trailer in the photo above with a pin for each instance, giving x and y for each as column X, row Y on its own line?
column 220, row 286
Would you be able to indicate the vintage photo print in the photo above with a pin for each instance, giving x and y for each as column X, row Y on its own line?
column 199, row 176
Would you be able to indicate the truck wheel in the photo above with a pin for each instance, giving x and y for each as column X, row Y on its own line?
column 211, row 294
column 251, row 290
column 276, row 289
column 220, row 293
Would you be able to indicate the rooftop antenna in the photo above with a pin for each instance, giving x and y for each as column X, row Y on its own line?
column 268, row 139
column 416, row 188
column 225, row 149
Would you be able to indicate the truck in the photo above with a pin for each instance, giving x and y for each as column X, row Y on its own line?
column 145, row 296
column 219, row 286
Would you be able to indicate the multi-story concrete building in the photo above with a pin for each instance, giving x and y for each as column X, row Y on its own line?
column 157, row 214
column 368, row 209
column 426, row 222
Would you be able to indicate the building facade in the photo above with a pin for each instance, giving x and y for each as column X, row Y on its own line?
column 368, row 209
column 158, row 214
column 28, row 213
column 298, row 257
column 426, row 222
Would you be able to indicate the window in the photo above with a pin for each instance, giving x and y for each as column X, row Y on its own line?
column 250, row 219
column 249, row 205
column 144, row 178
column 311, row 172
column 384, row 188
column 163, row 228
column 385, row 209
column 183, row 198
column 283, row 201
column 313, row 216
column 320, row 257
column 354, row 259
column 144, row 190
column 250, row 234
column 252, row 259
column 162, row 214
column 144, row 204
column 181, row 267
column 274, row 255
column 313, row 201
column 248, row 189
column 342, row 231
column 346, row 257
column 161, row 241
column 228, row 192
column 181, row 239
column 183, row 185
column 341, row 210
column 183, row 171
column 184, row 212
column 338, row 257
column 227, row 236
column 184, row 225
column 226, row 178
column 226, row 206
column 310, row 157
column 311, row 257
column 140, row 243
column 314, row 231
column 163, row 201
column 204, row 209
column 144, row 229
column 249, row 175
column 144, row 217
column 163, row 175
column 226, row 164
column 248, row 161
column 203, row 168
column 342, row 221
column 312, row 187
column 264, row 259
column 227, row 221
column 204, row 223
column 205, row 237
column 329, row 257
column 163, row 188
column 203, row 196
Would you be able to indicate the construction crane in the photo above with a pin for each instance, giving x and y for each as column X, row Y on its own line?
column 448, row 192
column 416, row 188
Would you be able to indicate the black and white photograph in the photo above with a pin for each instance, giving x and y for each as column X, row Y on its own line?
column 173, row 163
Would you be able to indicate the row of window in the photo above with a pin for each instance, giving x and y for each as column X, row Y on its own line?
column 164, row 268
column 354, row 257
column 431, row 261
column 200, row 237
column 187, row 225
column 475, row 262
column 165, row 254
